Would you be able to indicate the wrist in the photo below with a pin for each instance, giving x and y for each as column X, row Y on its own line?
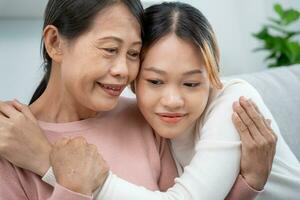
column 76, row 188
column 44, row 161
column 257, row 183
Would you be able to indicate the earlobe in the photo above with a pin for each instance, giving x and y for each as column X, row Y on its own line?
column 53, row 43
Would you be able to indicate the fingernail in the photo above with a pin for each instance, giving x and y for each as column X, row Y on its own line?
column 16, row 100
column 243, row 98
column 235, row 115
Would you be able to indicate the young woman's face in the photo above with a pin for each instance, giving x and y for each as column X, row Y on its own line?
column 173, row 86
column 98, row 65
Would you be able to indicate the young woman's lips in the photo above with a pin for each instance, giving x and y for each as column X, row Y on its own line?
column 112, row 89
column 171, row 118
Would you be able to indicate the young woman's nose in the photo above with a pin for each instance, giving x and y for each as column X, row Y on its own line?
column 172, row 99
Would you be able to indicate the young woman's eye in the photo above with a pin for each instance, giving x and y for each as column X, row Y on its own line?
column 191, row 84
column 155, row 82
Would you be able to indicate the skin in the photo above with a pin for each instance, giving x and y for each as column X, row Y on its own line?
column 112, row 61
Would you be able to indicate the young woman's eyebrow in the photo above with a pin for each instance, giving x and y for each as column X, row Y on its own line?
column 192, row 72
column 153, row 69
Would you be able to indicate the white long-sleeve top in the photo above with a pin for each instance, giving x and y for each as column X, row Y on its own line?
column 208, row 158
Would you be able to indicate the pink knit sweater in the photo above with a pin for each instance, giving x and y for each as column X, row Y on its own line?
column 123, row 138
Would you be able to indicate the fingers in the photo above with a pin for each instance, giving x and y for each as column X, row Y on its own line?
column 258, row 111
column 254, row 114
column 263, row 134
column 4, row 119
column 61, row 142
column 249, row 123
column 241, row 128
column 263, row 124
column 7, row 110
column 78, row 141
column 24, row 109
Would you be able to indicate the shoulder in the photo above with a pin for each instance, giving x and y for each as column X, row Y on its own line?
column 232, row 90
column 127, row 108
column 216, row 122
column 237, row 87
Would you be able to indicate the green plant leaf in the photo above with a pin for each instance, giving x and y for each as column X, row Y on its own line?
column 271, row 56
column 263, row 34
column 294, row 51
column 287, row 16
column 282, row 50
column 290, row 16
column 278, row 9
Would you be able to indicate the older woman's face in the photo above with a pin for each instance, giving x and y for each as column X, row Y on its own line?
column 98, row 65
column 173, row 86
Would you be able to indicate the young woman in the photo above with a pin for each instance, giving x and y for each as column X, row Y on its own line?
column 180, row 94
column 82, row 97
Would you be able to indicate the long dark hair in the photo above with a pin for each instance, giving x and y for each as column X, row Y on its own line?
column 72, row 18
column 187, row 23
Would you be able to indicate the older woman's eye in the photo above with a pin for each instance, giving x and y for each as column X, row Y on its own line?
column 111, row 51
column 155, row 82
column 134, row 54
column 191, row 84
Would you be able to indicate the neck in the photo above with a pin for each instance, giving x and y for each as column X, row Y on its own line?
column 57, row 105
column 188, row 137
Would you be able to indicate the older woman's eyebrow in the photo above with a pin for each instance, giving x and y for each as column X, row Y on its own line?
column 117, row 39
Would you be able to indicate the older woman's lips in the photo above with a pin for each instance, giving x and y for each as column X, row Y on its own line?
column 171, row 118
column 112, row 89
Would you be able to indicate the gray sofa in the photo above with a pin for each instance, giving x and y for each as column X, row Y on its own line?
column 280, row 89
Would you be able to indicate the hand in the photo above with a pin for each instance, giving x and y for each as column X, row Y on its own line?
column 78, row 166
column 258, row 143
column 22, row 142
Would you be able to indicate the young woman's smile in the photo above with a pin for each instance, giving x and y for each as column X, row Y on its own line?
column 172, row 118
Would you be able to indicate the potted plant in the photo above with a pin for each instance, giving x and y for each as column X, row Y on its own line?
column 282, row 44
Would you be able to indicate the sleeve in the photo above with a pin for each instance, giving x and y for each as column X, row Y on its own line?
column 242, row 190
column 215, row 166
column 61, row 192
column 10, row 186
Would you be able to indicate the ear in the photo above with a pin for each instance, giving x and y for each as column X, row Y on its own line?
column 53, row 43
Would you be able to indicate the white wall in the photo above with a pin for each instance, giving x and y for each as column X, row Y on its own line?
column 20, row 61
column 233, row 21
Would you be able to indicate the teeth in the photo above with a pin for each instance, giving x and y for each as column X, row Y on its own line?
column 112, row 88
